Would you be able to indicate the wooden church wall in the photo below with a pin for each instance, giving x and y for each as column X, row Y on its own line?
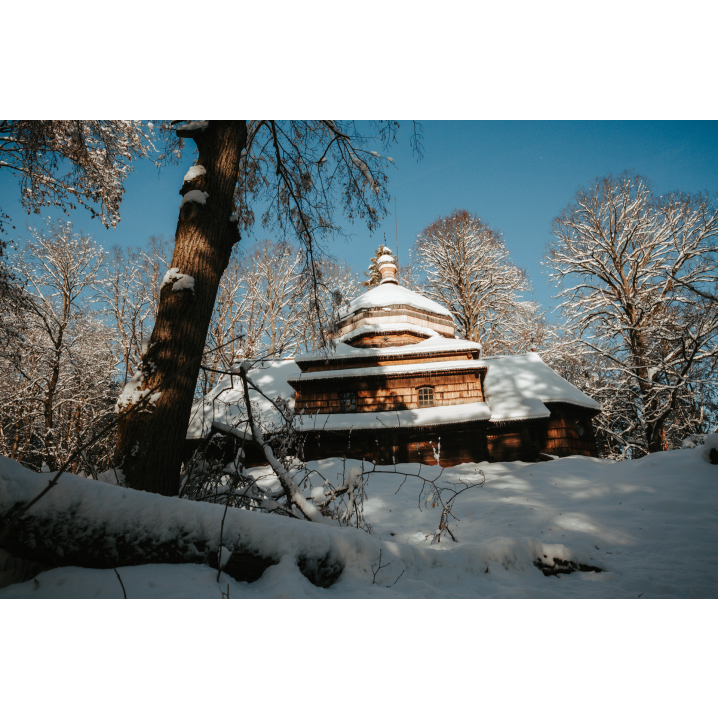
column 459, row 445
column 515, row 440
column 378, row 341
column 379, row 393
column 470, row 442
column 562, row 437
column 556, row 435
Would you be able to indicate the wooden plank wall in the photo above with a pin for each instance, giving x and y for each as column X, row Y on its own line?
column 562, row 438
column 459, row 444
column 378, row 341
column 379, row 393
column 470, row 442
column 515, row 441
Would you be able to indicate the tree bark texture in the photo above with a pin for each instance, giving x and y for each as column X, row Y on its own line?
column 150, row 440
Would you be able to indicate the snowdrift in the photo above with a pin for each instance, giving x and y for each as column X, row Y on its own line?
column 649, row 525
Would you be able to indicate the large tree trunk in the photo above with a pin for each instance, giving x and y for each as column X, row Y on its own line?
column 150, row 440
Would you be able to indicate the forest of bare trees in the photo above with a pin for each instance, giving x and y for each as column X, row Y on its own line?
column 637, row 327
column 636, row 275
column 301, row 173
column 636, row 335
column 84, row 317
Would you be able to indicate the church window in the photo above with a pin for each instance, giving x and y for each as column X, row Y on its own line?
column 348, row 400
column 426, row 396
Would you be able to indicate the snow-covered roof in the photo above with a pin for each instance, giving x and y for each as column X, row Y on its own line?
column 388, row 328
column 428, row 416
column 386, row 295
column 517, row 386
column 431, row 366
column 225, row 403
column 428, row 346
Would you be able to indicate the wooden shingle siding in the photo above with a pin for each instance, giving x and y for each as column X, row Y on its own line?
column 379, row 393
column 561, row 437
column 515, row 441
column 400, row 313
column 377, row 341
column 461, row 443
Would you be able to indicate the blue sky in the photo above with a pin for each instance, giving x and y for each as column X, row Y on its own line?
column 516, row 176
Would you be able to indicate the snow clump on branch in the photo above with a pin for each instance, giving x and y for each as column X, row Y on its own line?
column 194, row 171
column 133, row 394
column 194, row 125
column 181, row 281
column 195, row 195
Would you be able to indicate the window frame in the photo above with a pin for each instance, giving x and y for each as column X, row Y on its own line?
column 430, row 390
column 348, row 398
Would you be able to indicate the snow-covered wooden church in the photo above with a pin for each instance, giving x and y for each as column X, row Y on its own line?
column 401, row 387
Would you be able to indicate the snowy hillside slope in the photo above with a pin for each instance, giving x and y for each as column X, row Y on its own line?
column 651, row 525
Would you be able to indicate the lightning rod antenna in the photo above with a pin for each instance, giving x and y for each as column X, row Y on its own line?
column 396, row 220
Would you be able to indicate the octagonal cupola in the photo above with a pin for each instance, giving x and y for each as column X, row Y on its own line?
column 392, row 315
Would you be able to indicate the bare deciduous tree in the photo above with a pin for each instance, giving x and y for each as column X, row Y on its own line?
column 468, row 270
column 274, row 284
column 336, row 286
column 624, row 259
column 59, row 377
column 266, row 306
column 129, row 288
column 61, row 163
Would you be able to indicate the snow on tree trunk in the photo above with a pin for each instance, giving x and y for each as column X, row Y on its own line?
column 150, row 442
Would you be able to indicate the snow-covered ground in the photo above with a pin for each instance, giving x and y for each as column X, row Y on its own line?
column 650, row 525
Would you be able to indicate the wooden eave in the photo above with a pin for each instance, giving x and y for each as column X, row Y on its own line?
column 385, row 359
column 396, row 310
column 589, row 411
column 389, row 330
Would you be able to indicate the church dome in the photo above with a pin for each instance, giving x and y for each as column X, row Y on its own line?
column 386, row 295
column 392, row 315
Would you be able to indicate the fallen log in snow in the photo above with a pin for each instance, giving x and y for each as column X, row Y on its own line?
column 87, row 523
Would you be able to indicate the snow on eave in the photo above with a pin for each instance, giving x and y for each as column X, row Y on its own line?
column 427, row 416
column 433, row 345
column 388, row 329
column 437, row 367
column 504, row 410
